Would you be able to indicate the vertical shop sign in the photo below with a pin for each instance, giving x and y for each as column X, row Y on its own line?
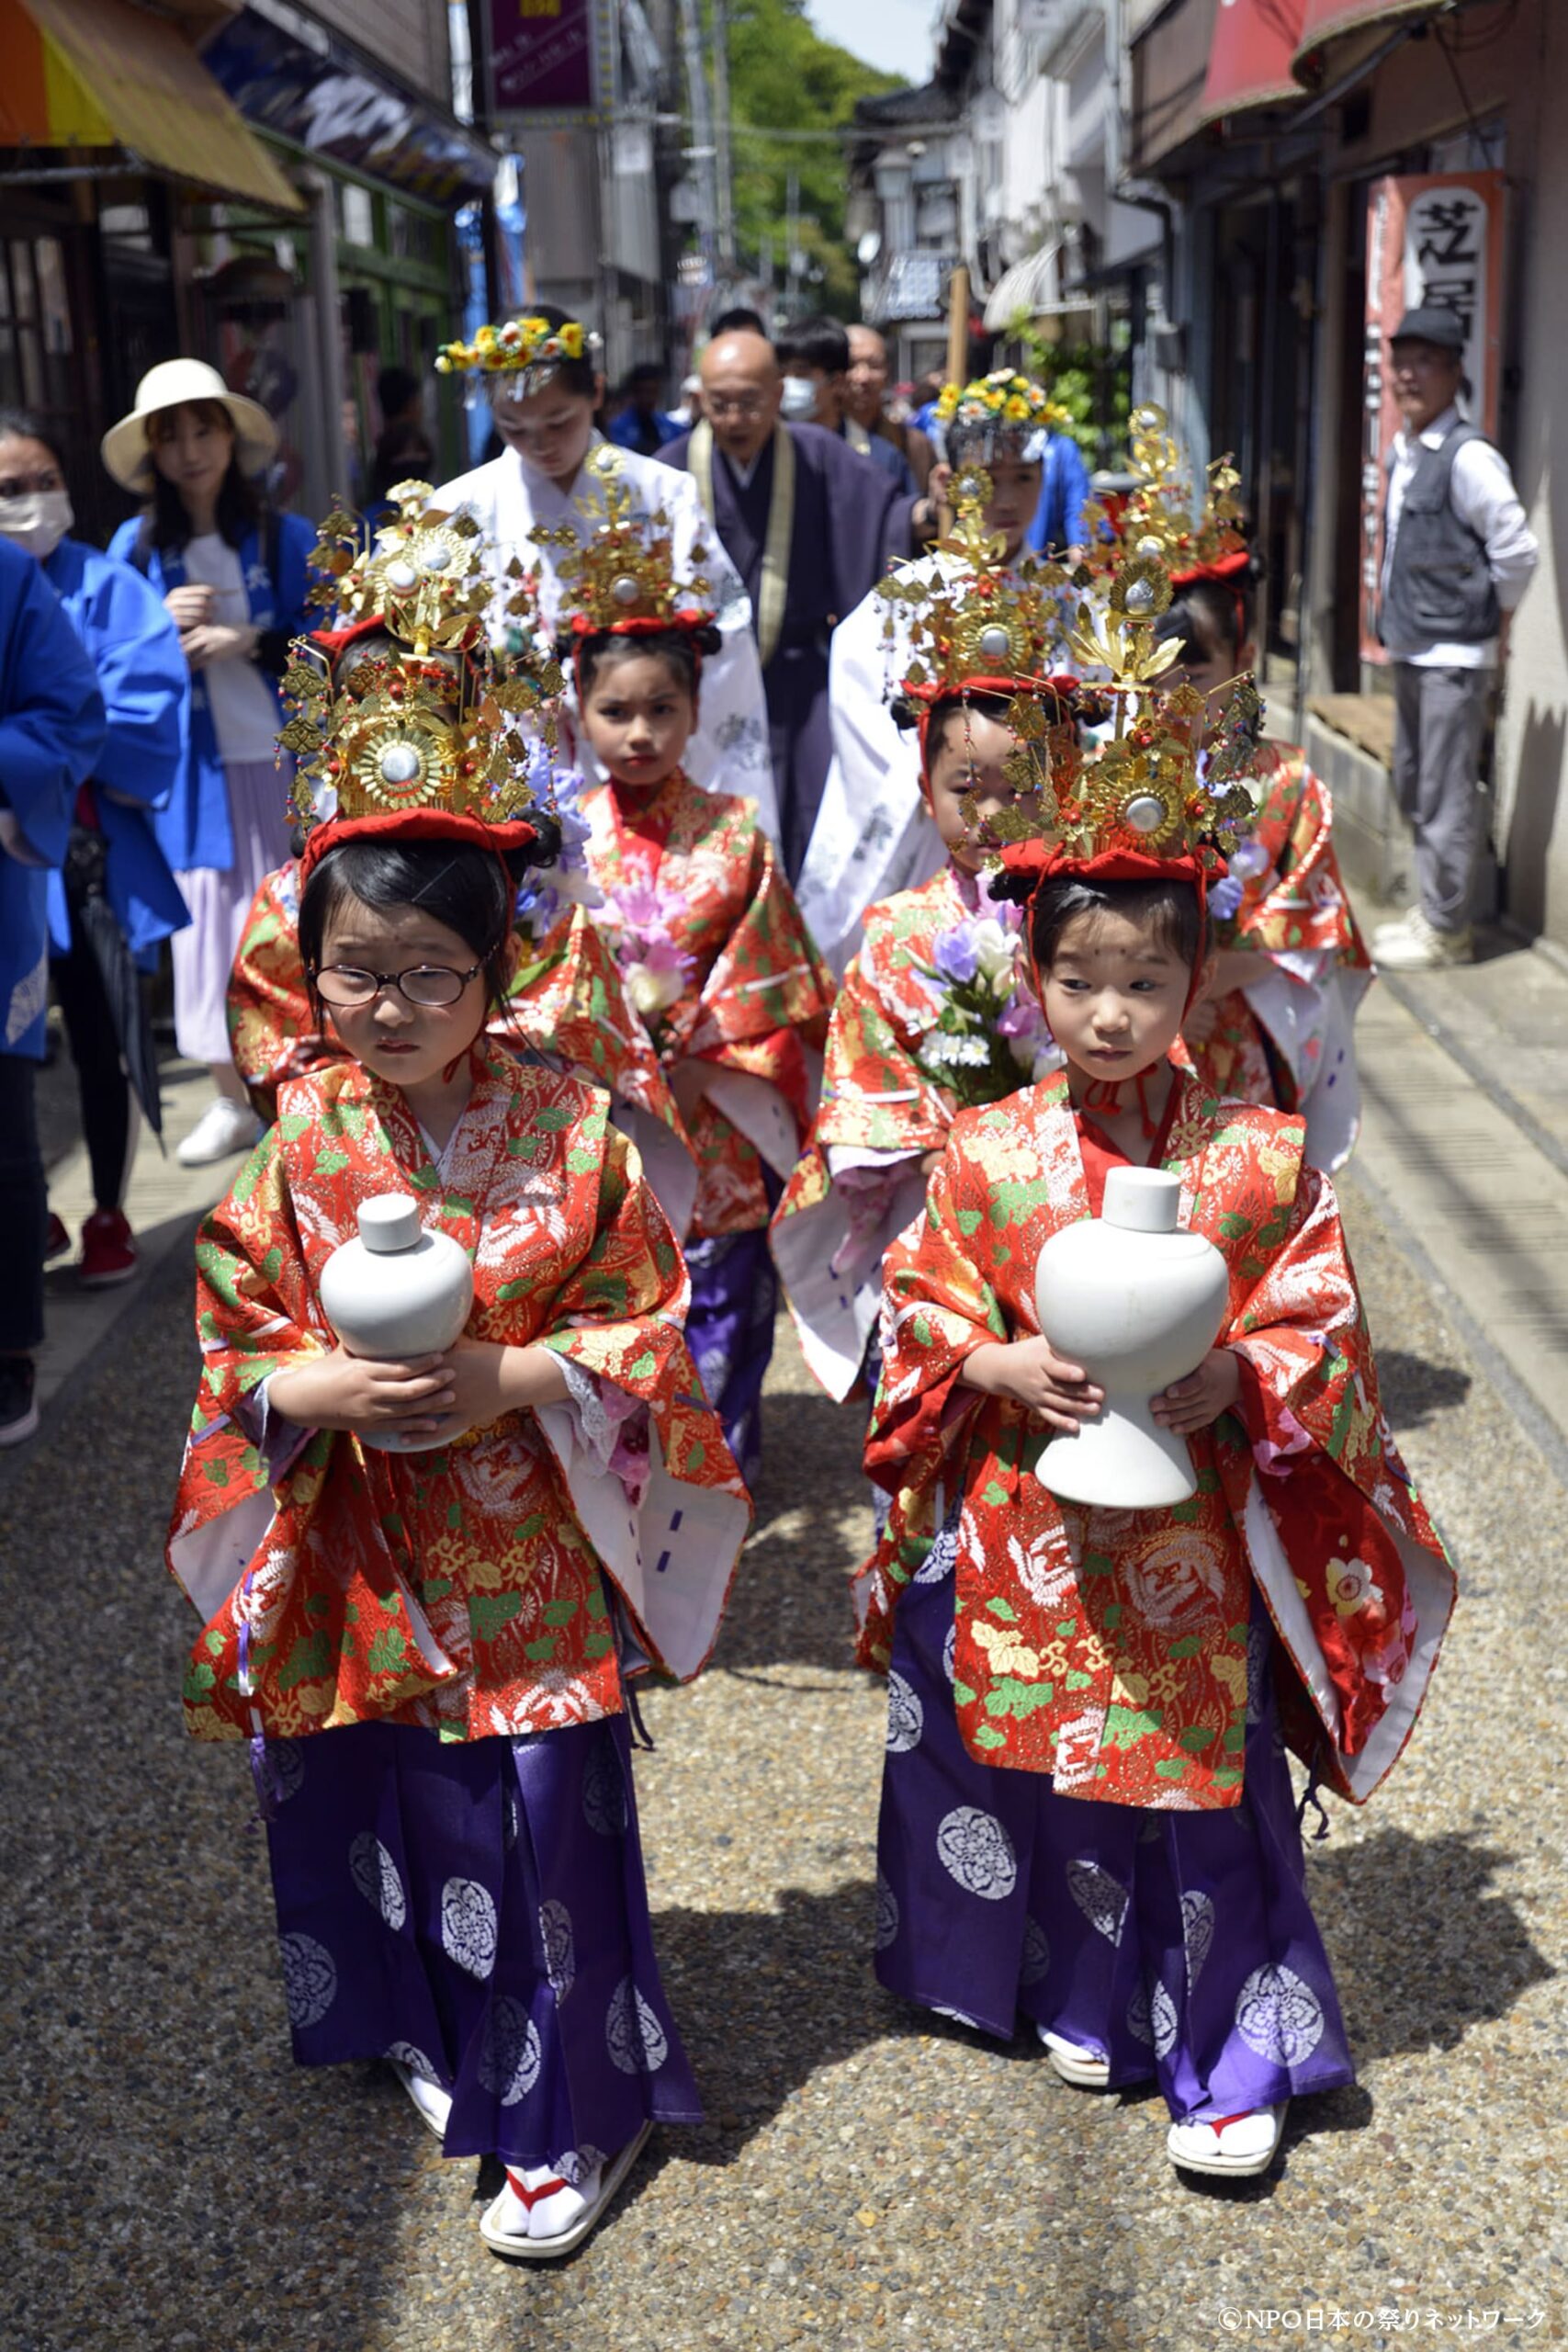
column 542, row 59
column 1433, row 239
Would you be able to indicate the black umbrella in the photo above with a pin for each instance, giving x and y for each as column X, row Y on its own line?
column 94, row 920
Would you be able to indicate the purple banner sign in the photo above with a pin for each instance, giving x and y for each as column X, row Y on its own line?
column 541, row 56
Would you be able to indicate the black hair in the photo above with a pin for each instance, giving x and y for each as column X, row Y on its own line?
column 907, row 714
column 403, row 447
column 21, row 424
column 580, row 376
column 739, row 319
column 677, row 647
column 240, row 501
column 1168, row 911
column 647, row 371
column 396, row 387
column 456, row 883
column 817, row 341
column 1211, row 618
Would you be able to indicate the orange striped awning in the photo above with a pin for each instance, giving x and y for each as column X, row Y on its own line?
column 96, row 74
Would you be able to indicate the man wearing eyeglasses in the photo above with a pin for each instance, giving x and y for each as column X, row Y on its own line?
column 810, row 526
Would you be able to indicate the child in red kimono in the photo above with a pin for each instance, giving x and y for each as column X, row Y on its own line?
column 424, row 1586
column 707, row 934
column 936, row 1011
column 1275, row 1025
column 1087, row 1814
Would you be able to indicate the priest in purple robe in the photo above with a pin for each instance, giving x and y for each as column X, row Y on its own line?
column 811, row 527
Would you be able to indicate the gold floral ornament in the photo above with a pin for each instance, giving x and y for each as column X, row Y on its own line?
column 979, row 618
column 1161, row 522
column 1151, row 785
column 422, row 719
column 620, row 573
column 422, row 575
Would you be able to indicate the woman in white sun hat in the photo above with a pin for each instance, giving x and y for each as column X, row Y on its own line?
column 233, row 575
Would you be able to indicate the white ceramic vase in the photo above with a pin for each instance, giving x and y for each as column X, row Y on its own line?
column 397, row 1291
column 1138, row 1303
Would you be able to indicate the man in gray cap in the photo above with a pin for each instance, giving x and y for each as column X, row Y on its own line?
column 1457, row 557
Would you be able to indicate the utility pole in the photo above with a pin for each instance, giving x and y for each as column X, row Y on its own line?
column 725, row 187
column 701, row 150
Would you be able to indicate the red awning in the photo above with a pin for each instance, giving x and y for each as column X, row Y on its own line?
column 1326, row 20
column 1249, row 60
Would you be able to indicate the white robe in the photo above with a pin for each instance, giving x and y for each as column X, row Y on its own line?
column 873, row 835
column 729, row 751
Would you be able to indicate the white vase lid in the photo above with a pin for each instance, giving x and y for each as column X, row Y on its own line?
column 1141, row 1200
column 390, row 1221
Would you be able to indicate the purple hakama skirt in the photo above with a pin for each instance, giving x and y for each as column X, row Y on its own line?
column 478, row 1910
column 1181, row 1945
column 729, row 1330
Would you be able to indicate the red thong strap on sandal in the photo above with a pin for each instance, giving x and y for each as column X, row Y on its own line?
column 1216, row 2123
column 530, row 2197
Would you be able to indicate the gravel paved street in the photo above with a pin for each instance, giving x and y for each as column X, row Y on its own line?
column 863, row 2179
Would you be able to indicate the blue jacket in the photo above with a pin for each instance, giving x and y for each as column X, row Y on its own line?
column 192, row 829
column 135, row 648
column 1058, row 518
column 51, row 730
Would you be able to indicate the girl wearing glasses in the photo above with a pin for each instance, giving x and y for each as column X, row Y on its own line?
column 425, row 1584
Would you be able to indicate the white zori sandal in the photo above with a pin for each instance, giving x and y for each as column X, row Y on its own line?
column 1075, row 2062
column 1236, row 2145
column 538, row 2216
column 431, row 2104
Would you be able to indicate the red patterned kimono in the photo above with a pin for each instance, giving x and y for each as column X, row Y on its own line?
column 1286, row 1037
column 1108, row 1650
column 715, row 954
column 462, row 1588
column 888, row 1098
column 565, row 998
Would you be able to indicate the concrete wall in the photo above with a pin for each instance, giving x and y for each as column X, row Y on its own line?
column 1531, row 764
column 409, row 37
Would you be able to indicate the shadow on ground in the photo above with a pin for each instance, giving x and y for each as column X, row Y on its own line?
column 791, row 1604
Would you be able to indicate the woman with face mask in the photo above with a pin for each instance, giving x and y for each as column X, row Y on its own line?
column 233, row 578
column 113, row 854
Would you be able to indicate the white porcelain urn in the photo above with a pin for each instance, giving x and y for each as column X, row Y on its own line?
column 1138, row 1303
column 397, row 1291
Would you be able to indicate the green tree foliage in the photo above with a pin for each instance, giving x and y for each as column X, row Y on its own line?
column 783, row 74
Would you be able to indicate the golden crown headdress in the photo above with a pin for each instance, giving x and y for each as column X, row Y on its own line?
column 1161, row 521
column 621, row 575
column 423, row 730
column 1150, row 792
column 977, row 617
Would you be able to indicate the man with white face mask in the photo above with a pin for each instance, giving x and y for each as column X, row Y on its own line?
column 810, row 526
column 113, row 857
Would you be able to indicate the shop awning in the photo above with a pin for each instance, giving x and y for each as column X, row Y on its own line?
column 1329, row 20
column 1250, row 56
column 1026, row 288
column 103, row 74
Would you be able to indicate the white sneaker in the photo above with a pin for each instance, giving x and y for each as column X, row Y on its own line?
column 223, row 1128
column 1239, row 2145
column 1421, row 948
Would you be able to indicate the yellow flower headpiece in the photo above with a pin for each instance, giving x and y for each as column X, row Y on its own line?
column 423, row 729
column 517, row 344
column 621, row 576
column 996, row 412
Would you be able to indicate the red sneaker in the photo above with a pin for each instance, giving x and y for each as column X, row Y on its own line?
column 57, row 1240
column 108, row 1252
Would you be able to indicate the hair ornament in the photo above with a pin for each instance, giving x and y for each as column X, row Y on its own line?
column 517, row 345
column 619, row 580
column 1003, row 414
column 426, row 736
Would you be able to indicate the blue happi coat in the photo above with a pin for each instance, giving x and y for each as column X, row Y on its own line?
column 51, row 729
column 192, row 829
column 135, row 648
